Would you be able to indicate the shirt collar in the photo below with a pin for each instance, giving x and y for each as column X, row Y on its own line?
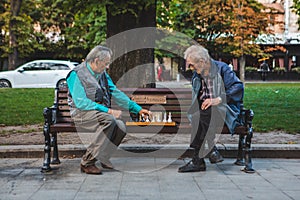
column 88, row 66
column 90, row 69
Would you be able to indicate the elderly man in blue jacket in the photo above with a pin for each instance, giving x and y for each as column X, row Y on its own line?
column 217, row 94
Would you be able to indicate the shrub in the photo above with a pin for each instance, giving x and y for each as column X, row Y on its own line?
column 278, row 69
column 296, row 69
column 250, row 69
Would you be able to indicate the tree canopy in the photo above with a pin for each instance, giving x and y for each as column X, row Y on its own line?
column 69, row 29
column 296, row 8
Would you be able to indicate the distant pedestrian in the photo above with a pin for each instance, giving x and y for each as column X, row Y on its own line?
column 160, row 72
column 230, row 66
column 264, row 68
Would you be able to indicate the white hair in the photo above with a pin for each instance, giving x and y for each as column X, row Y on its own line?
column 99, row 52
column 197, row 53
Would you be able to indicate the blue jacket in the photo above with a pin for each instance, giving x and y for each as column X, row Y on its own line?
column 225, row 85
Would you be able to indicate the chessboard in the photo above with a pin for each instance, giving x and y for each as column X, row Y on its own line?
column 150, row 124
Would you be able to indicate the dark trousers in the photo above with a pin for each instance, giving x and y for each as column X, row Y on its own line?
column 200, row 124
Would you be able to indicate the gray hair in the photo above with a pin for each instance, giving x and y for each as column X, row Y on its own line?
column 197, row 53
column 99, row 52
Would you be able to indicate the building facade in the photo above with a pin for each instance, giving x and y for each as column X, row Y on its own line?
column 286, row 34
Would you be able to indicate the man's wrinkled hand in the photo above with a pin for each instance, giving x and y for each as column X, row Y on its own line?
column 210, row 102
column 145, row 112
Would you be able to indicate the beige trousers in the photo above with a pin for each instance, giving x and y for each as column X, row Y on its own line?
column 108, row 134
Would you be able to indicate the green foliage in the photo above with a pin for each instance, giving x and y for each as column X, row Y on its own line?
column 173, row 16
column 68, row 29
column 250, row 69
column 87, row 31
column 64, row 29
column 296, row 69
column 278, row 69
column 4, row 21
column 296, row 9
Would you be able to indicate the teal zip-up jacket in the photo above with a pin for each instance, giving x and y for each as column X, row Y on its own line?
column 82, row 102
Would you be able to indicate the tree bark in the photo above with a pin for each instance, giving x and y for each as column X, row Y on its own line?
column 132, row 68
column 15, row 6
column 242, row 62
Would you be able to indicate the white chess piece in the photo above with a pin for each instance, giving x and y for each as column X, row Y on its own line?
column 158, row 117
column 165, row 117
column 147, row 118
column 153, row 118
column 170, row 117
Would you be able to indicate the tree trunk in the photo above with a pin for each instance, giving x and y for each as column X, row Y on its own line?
column 15, row 6
column 131, row 68
column 242, row 62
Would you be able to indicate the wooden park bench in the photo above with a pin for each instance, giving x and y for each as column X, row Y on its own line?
column 162, row 100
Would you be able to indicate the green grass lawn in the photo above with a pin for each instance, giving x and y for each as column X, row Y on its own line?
column 276, row 106
column 24, row 106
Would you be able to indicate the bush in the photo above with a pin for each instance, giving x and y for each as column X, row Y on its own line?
column 296, row 69
column 250, row 69
column 278, row 69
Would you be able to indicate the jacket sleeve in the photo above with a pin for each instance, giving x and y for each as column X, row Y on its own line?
column 233, row 86
column 121, row 98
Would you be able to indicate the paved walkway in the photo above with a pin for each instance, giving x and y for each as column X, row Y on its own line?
column 150, row 178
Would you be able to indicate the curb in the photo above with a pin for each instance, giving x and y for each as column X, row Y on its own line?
column 227, row 150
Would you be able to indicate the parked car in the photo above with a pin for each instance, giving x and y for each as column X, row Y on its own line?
column 37, row 74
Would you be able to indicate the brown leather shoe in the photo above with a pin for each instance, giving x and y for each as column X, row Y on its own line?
column 107, row 165
column 92, row 169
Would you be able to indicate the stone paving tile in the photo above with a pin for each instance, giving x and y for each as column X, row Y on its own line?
column 149, row 178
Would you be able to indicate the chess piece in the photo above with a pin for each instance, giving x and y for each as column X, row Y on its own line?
column 158, row 117
column 147, row 118
column 165, row 117
column 142, row 118
column 170, row 117
column 153, row 118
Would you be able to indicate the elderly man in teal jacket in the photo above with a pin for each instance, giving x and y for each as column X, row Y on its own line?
column 217, row 94
column 90, row 92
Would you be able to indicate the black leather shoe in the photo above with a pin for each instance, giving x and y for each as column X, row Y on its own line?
column 215, row 157
column 193, row 166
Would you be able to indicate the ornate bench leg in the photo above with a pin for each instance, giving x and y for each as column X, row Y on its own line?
column 47, row 150
column 241, row 154
column 55, row 160
column 248, row 151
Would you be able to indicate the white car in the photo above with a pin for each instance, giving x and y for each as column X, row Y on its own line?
column 37, row 74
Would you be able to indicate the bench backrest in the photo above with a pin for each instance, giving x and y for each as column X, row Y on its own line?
column 177, row 102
